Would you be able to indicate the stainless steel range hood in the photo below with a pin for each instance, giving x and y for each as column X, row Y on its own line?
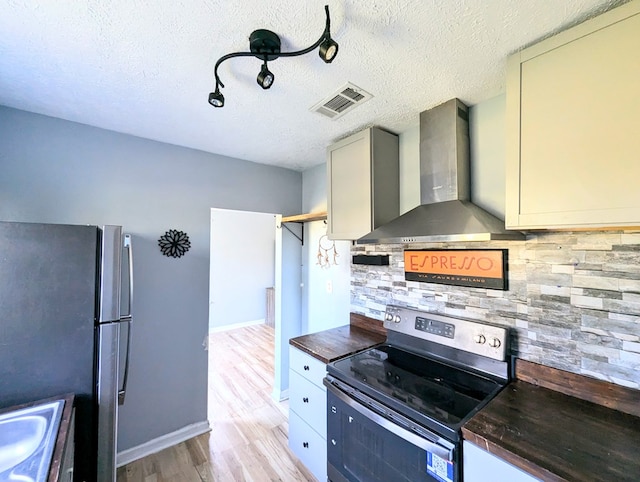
column 445, row 213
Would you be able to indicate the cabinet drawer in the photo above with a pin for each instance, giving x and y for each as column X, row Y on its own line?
column 308, row 402
column 310, row 368
column 308, row 446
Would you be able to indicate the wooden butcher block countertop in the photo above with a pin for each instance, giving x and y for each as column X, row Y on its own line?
column 329, row 345
column 559, row 426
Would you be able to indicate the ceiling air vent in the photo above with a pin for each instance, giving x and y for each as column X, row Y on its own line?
column 344, row 100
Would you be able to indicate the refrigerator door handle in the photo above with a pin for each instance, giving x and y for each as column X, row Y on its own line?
column 125, row 377
column 129, row 247
column 128, row 318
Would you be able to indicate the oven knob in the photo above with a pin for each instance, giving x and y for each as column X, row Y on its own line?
column 397, row 319
column 480, row 339
column 388, row 317
column 494, row 343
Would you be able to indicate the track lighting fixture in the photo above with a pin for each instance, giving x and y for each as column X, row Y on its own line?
column 265, row 45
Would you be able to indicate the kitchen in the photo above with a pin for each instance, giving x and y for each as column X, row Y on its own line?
column 120, row 179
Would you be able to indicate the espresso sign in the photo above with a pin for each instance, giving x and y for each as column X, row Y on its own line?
column 483, row 268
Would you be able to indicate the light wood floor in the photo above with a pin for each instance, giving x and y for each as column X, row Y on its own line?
column 248, row 441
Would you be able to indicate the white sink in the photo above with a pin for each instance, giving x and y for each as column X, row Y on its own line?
column 27, row 439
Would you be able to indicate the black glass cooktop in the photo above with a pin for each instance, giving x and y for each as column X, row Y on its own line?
column 431, row 388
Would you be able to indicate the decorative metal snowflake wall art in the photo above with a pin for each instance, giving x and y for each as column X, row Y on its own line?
column 174, row 243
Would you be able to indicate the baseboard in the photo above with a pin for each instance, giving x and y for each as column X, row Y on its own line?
column 236, row 325
column 279, row 395
column 165, row 441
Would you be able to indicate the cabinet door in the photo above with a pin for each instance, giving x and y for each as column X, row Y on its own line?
column 573, row 145
column 349, row 187
column 363, row 183
column 481, row 466
column 308, row 446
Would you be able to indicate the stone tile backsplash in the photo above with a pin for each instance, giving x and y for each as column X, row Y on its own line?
column 573, row 300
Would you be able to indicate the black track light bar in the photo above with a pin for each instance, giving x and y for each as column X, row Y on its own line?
column 265, row 45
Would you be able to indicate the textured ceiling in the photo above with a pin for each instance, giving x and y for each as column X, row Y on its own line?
column 145, row 67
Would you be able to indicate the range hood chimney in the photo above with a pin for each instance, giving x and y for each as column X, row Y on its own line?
column 446, row 212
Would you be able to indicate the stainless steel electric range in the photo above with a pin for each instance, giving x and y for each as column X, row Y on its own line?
column 394, row 412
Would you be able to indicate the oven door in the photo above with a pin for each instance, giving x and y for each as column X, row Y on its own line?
column 365, row 445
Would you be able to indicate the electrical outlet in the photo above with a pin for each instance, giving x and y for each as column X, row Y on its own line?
column 329, row 287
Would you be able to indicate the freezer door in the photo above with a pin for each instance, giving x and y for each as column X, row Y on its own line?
column 110, row 274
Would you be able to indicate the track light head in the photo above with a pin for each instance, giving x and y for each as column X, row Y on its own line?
column 216, row 99
column 265, row 77
column 328, row 50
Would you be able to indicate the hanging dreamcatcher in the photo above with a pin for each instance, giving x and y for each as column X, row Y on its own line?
column 327, row 254
column 174, row 243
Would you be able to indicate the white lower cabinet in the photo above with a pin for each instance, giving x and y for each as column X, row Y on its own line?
column 481, row 466
column 309, row 446
column 308, row 412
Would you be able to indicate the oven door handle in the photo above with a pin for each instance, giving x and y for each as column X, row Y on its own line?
column 433, row 447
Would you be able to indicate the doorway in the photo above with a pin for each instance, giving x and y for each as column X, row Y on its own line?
column 242, row 267
column 248, row 360
column 251, row 252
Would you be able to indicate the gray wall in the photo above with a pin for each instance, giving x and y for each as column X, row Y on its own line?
column 573, row 300
column 242, row 255
column 409, row 146
column 322, row 308
column 487, row 144
column 62, row 172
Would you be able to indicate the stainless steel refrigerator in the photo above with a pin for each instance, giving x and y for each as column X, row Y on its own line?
column 65, row 327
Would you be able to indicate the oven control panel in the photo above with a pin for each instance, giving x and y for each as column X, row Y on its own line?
column 435, row 327
column 471, row 336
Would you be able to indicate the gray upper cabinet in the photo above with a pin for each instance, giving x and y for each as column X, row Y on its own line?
column 362, row 183
column 573, row 144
